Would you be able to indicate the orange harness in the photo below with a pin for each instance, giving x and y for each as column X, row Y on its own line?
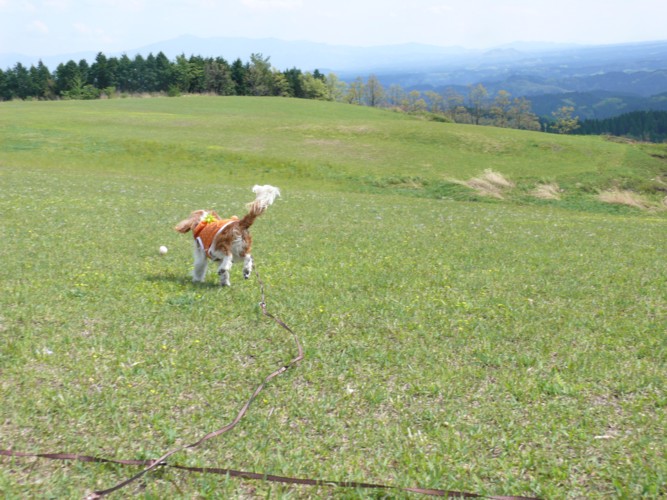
column 206, row 232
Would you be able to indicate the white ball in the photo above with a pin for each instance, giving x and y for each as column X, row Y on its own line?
column 163, row 250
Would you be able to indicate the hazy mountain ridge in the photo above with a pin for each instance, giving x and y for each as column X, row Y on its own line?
column 283, row 54
column 400, row 58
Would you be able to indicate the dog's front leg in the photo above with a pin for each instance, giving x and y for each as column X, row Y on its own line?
column 224, row 269
column 247, row 266
column 199, row 271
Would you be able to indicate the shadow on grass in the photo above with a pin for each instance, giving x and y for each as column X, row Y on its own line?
column 183, row 280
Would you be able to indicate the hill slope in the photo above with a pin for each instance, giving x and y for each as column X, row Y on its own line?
column 321, row 143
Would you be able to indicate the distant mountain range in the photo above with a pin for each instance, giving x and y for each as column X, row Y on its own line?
column 284, row 54
column 597, row 79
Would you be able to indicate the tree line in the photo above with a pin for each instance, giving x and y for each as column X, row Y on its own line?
column 649, row 126
column 108, row 77
column 156, row 74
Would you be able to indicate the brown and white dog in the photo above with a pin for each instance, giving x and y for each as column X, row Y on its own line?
column 225, row 240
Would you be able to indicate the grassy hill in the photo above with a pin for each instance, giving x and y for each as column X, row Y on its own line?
column 325, row 144
column 453, row 340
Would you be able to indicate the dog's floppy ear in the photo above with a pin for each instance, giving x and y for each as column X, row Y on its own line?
column 190, row 223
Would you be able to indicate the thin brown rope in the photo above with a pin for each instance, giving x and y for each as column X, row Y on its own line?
column 240, row 414
column 150, row 465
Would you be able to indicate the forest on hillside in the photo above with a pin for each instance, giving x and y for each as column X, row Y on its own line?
column 109, row 77
column 648, row 126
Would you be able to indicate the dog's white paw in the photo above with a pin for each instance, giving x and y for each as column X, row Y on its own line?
column 224, row 278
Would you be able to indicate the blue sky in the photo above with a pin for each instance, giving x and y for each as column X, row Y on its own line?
column 49, row 27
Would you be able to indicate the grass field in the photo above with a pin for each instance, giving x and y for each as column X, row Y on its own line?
column 502, row 347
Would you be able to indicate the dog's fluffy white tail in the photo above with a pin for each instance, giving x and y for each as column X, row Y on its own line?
column 266, row 195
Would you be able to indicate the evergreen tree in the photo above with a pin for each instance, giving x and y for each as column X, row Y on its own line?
column 197, row 80
column 4, row 89
column 141, row 74
column 101, row 73
column 43, row 86
column 67, row 76
column 164, row 73
column 239, row 72
column 293, row 78
column 126, row 80
column 639, row 125
column 19, row 82
column 84, row 71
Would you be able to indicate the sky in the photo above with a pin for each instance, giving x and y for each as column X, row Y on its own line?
column 55, row 27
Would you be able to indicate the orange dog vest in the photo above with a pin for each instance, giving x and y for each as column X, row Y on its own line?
column 206, row 232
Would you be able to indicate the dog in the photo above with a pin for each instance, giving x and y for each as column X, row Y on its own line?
column 225, row 240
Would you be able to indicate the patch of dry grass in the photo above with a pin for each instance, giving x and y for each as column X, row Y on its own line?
column 624, row 197
column 550, row 191
column 490, row 183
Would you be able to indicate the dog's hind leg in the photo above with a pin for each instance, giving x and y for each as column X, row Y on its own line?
column 223, row 270
column 199, row 271
column 247, row 266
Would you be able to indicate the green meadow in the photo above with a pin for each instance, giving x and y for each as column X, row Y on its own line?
column 505, row 345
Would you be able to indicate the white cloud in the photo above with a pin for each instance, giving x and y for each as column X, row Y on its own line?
column 82, row 29
column 39, row 27
column 96, row 35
